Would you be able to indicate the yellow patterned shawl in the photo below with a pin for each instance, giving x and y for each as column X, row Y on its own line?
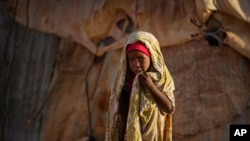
column 146, row 122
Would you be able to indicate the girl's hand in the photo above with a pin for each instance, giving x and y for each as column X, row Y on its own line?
column 146, row 80
column 162, row 101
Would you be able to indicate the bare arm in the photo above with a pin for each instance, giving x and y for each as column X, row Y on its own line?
column 162, row 101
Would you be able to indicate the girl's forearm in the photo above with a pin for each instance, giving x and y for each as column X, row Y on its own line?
column 162, row 101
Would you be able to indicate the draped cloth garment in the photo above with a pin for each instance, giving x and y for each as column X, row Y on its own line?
column 146, row 121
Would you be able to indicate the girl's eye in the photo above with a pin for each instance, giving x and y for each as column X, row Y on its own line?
column 130, row 59
column 141, row 59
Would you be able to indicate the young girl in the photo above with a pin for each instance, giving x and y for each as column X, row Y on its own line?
column 142, row 101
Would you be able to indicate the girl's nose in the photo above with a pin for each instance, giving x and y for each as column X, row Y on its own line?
column 137, row 63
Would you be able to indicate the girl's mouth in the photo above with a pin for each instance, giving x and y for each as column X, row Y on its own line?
column 138, row 71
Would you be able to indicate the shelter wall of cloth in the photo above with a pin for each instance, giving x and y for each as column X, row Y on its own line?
column 212, row 82
column 89, row 23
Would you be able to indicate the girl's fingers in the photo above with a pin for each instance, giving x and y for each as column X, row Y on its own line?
column 142, row 77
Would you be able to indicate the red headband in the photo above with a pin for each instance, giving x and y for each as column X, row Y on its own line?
column 138, row 46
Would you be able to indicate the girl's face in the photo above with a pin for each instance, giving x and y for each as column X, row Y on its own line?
column 138, row 61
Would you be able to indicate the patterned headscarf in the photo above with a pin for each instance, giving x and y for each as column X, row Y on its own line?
column 146, row 121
